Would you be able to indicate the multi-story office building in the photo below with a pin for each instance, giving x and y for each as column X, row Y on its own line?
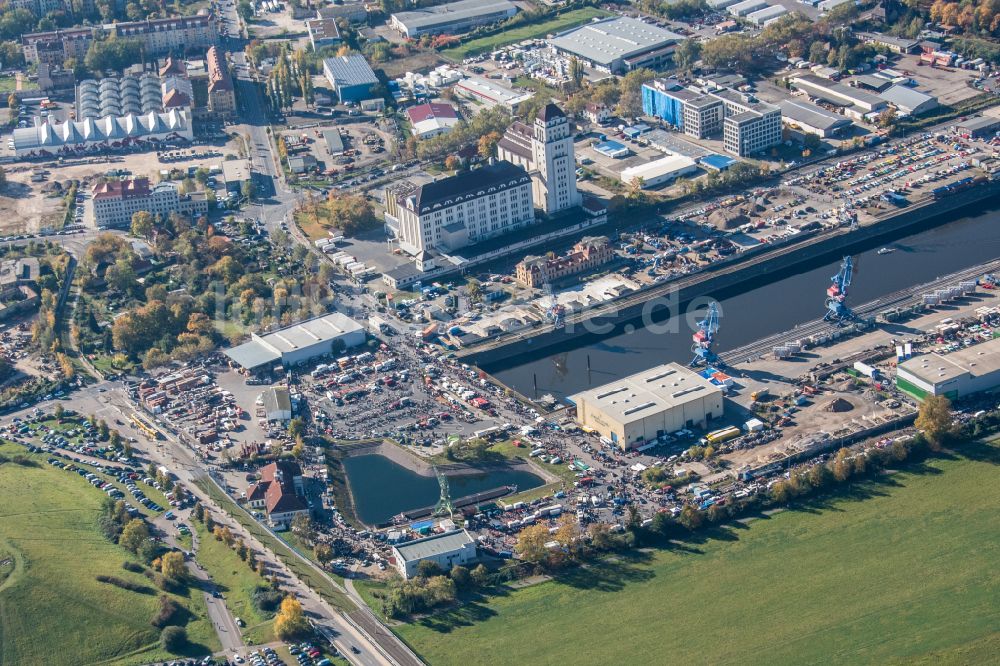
column 116, row 201
column 463, row 209
column 545, row 148
column 748, row 125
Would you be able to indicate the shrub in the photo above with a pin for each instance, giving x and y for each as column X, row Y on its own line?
column 173, row 639
column 124, row 584
column 168, row 614
column 267, row 599
column 133, row 567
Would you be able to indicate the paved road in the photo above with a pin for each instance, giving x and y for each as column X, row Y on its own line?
column 384, row 649
column 222, row 619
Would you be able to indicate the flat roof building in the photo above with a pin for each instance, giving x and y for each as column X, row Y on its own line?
column 649, row 404
column 445, row 550
column 894, row 44
column 235, row 173
column 659, row 171
column 855, row 101
column 298, row 343
column 350, row 76
column 979, row 127
column 322, row 32
column 618, row 44
column 747, row 124
column 812, row 118
column 492, row 93
column 768, row 14
column 954, row 375
column 334, row 142
column 451, row 18
column 746, row 7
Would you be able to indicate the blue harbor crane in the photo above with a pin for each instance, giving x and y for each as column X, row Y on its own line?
column 836, row 293
column 704, row 338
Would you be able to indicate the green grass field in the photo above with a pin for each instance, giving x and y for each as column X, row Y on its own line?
column 237, row 582
column 52, row 610
column 570, row 19
column 307, row 575
column 907, row 570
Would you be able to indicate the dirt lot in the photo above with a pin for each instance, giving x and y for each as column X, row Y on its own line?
column 24, row 208
column 948, row 84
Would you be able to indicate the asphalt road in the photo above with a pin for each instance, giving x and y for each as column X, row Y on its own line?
column 223, row 620
column 330, row 622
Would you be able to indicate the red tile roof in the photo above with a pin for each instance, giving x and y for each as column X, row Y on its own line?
column 430, row 111
column 122, row 189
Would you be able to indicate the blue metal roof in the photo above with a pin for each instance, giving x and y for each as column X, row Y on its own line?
column 718, row 162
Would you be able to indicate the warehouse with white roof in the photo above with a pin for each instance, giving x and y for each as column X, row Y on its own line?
column 451, row 18
column 746, row 7
column 954, row 375
column 813, row 119
column 618, row 44
column 908, row 101
column 298, row 343
column 648, row 404
column 768, row 14
column 659, row 171
column 445, row 550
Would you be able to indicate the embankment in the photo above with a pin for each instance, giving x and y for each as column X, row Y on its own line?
column 657, row 301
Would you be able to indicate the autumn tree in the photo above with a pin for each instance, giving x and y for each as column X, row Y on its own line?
column 487, row 144
column 134, row 535
column 142, row 224
column 172, row 566
column 290, row 622
column 531, row 543
column 935, row 421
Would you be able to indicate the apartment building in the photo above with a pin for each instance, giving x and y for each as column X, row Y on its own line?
column 53, row 48
column 467, row 208
column 176, row 34
column 221, row 94
column 158, row 37
column 116, row 201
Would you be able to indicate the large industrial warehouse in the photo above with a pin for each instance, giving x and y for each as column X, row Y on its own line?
column 452, row 18
column 649, row 404
column 299, row 343
column 955, row 375
column 618, row 45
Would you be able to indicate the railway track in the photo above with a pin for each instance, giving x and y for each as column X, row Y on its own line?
column 898, row 299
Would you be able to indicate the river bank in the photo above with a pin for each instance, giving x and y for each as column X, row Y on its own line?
column 652, row 303
column 757, row 309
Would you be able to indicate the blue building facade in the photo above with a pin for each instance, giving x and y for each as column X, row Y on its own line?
column 663, row 105
column 351, row 77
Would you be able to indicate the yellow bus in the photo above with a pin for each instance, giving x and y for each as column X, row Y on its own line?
column 723, row 435
column 144, row 427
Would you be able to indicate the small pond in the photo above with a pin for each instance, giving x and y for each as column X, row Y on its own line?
column 383, row 488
